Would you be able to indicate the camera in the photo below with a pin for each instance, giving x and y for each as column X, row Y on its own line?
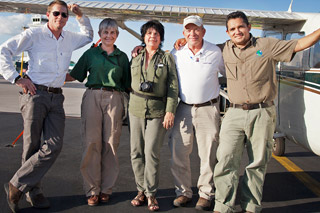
column 146, row 86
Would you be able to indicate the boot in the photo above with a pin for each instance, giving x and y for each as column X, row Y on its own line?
column 13, row 196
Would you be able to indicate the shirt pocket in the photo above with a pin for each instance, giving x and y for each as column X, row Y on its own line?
column 46, row 61
column 231, row 70
column 259, row 70
column 135, row 69
column 161, row 71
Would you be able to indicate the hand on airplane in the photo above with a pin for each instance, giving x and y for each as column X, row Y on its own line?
column 27, row 86
column 168, row 120
column 69, row 78
column 180, row 43
column 76, row 10
column 135, row 52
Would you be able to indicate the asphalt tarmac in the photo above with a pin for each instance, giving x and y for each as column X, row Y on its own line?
column 283, row 191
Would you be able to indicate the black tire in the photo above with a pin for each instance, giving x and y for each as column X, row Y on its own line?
column 278, row 148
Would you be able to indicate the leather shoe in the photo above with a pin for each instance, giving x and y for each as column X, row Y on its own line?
column 104, row 198
column 13, row 196
column 181, row 201
column 38, row 201
column 203, row 204
column 93, row 200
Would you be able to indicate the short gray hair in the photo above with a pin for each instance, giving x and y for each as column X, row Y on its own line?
column 108, row 23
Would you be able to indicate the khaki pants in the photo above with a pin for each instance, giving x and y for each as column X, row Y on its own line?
column 202, row 123
column 253, row 130
column 101, row 117
column 43, row 114
column 146, row 139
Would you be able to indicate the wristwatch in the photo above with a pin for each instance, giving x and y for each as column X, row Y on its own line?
column 17, row 78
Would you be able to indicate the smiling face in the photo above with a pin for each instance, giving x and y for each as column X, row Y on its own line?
column 56, row 23
column 152, row 38
column 194, row 35
column 239, row 31
column 108, row 36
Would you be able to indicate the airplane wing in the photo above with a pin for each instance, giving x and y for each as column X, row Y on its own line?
column 164, row 13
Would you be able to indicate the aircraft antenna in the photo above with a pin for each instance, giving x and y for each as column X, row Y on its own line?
column 290, row 7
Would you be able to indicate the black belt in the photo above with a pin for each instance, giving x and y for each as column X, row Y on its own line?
column 111, row 89
column 252, row 106
column 208, row 103
column 56, row 90
column 149, row 96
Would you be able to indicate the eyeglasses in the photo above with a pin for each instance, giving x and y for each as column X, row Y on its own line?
column 57, row 13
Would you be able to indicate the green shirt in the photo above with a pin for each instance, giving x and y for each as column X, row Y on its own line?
column 104, row 70
column 162, row 72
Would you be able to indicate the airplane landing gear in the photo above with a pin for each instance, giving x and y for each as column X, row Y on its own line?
column 278, row 147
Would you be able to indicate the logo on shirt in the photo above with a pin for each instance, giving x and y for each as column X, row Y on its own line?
column 259, row 53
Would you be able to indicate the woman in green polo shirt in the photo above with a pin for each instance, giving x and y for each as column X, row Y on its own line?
column 102, row 111
column 152, row 106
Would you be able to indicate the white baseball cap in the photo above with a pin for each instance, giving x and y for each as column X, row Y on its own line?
column 192, row 20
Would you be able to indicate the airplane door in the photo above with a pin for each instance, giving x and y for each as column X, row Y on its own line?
column 278, row 35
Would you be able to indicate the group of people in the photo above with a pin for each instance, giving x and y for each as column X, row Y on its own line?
column 175, row 92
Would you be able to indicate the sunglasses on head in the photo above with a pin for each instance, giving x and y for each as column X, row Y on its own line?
column 57, row 13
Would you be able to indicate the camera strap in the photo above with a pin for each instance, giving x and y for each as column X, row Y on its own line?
column 155, row 66
column 149, row 96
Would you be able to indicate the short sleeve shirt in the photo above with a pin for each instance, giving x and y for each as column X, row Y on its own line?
column 250, row 71
column 198, row 74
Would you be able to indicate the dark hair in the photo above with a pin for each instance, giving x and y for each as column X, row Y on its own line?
column 237, row 14
column 59, row 2
column 155, row 25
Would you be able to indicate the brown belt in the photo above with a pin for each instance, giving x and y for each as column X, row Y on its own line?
column 111, row 89
column 252, row 106
column 208, row 103
column 56, row 90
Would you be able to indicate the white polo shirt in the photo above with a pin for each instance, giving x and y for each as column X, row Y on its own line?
column 198, row 74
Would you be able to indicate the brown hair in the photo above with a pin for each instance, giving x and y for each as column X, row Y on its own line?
column 59, row 2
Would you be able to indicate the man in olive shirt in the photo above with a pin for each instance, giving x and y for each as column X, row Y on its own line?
column 251, row 79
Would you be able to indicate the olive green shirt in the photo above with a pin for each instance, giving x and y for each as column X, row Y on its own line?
column 251, row 76
column 104, row 70
column 162, row 71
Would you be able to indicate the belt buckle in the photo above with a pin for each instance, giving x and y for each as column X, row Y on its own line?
column 246, row 106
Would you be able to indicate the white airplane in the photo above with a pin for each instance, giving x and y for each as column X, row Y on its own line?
column 299, row 81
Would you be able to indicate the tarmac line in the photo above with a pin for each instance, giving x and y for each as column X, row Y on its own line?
column 306, row 179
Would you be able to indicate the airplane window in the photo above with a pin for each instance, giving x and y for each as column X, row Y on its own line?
column 297, row 61
column 277, row 35
column 315, row 56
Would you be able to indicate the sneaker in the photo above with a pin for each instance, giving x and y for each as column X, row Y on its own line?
column 203, row 204
column 181, row 201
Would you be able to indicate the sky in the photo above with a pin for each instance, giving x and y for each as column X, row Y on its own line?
column 12, row 23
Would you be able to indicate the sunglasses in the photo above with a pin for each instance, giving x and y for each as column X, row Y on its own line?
column 56, row 13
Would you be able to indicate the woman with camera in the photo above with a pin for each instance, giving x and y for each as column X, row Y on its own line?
column 152, row 106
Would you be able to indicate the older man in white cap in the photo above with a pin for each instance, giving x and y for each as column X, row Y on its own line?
column 198, row 115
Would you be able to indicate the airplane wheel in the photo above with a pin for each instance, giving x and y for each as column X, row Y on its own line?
column 278, row 146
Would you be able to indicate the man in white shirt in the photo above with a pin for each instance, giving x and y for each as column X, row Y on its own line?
column 49, row 48
column 198, row 115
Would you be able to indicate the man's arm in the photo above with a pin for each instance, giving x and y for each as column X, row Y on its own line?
column 86, row 32
column 307, row 41
column 10, row 48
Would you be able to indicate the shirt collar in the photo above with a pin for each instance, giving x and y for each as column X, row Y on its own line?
column 115, row 52
column 48, row 31
column 204, row 46
column 252, row 41
column 144, row 50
